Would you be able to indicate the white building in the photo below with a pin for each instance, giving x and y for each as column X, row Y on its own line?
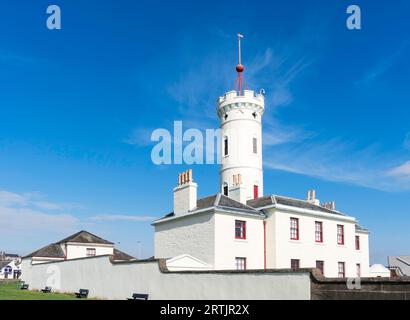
column 240, row 228
column 82, row 244
column 10, row 269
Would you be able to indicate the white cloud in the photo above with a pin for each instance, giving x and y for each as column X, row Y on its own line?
column 26, row 221
column 402, row 171
column 32, row 200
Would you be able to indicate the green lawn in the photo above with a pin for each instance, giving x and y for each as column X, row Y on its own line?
column 10, row 291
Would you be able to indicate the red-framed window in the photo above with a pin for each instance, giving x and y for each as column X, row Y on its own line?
column 340, row 234
column 358, row 270
column 294, row 228
column 90, row 252
column 318, row 231
column 255, row 191
column 294, row 264
column 240, row 229
column 341, row 269
column 357, row 241
column 240, row 263
column 321, row 266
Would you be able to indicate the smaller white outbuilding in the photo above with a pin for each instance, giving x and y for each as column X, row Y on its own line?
column 379, row 270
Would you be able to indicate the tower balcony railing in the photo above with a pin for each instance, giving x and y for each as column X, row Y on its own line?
column 245, row 94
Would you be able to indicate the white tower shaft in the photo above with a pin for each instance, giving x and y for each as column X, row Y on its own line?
column 241, row 175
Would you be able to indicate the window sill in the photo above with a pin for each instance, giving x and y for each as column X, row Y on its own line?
column 294, row 241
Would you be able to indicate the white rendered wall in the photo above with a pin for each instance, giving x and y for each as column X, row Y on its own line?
column 282, row 249
column 193, row 234
column 240, row 127
column 120, row 281
column 185, row 197
column 79, row 250
column 227, row 247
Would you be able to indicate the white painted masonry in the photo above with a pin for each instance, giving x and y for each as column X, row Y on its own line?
column 121, row 280
column 241, row 122
column 281, row 249
column 79, row 250
column 250, row 248
column 191, row 234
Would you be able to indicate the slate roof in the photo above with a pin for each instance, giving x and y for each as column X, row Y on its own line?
column 4, row 264
column 401, row 262
column 85, row 237
column 122, row 256
column 53, row 250
column 360, row 228
column 220, row 201
column 291, row 202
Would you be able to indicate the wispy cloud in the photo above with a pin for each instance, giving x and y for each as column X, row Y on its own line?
column 383, row 66
column 32, row 200
column 29, row 214
column 339, row 161
column 406, row 142
column 16, row 58
column 402, row 171
column 139, row 137
column 120, row 217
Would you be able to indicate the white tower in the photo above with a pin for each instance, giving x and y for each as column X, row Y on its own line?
column 240, row 112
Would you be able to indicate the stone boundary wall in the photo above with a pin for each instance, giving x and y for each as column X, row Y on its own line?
column 119, row 280
column 395, row 288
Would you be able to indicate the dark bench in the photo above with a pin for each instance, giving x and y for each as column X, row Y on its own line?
column 46, row 290
column 139, row 296
column 83, row 293
column 24, row 286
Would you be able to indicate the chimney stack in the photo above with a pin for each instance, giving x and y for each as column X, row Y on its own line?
column 311, row 197
column 238, row 191
column 185, row 194
column 331, row 205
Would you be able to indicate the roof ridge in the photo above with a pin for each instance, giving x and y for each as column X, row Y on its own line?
column 69, row 238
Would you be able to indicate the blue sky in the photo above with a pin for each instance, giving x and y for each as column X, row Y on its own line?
column 78, row 106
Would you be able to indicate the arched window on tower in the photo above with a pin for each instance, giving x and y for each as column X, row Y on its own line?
column 225, row 189
column 226, row 146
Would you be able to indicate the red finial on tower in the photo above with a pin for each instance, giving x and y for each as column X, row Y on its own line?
column 239, row 68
